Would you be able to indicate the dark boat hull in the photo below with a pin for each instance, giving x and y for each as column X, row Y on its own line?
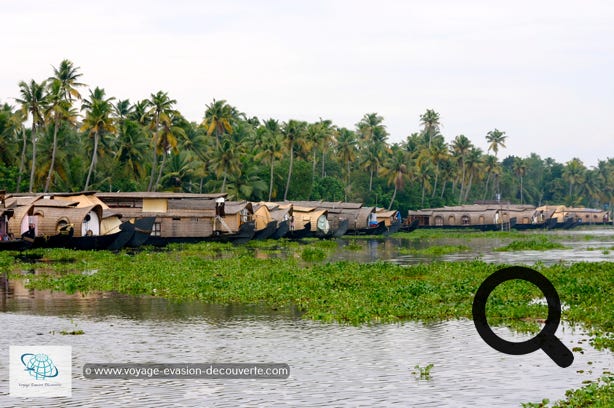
column 302, row 233
column 282, row 230
column 378, row 230
column 80, row 243
column 142, row 231
column 411, row 226
column 394, row 227
column 14, row 245
column 341, row 229
column 267, row 231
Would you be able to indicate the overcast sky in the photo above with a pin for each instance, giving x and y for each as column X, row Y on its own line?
column 542, row 71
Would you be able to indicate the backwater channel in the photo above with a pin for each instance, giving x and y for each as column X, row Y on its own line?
column 331, row 365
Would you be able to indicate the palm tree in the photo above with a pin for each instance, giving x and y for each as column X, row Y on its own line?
column 293, row 131
column 67, row 74
column 270, row 146
column 490, row 165
column 131, row 145
column 170, row 131
column 520, row 169
column 219, row 118
column 495, row 139
column 226, row 161
column 430, row 123
column 473, row 162
column 574, row 173
column 58, row 110
column 371, row 161
column 328, row 133
column 159, row 107
column 97, row 120
column 438, row 153
column 395, row 171
column 346, row 148
column 33, row 102
column 461, row 146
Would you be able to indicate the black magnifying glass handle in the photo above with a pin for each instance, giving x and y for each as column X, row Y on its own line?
column 557, row 351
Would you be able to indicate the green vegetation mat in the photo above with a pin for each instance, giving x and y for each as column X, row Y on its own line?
column 344, row 292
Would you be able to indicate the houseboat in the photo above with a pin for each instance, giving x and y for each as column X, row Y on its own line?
column 484, row 217
column 186, row 217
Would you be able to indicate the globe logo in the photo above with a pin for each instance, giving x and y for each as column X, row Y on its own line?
column 39, row 366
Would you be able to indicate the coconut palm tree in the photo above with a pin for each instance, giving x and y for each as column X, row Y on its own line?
column 226, row 161
column 98, row 120
column 159, row 107
column 461, row 146
column 293, row 131
column 67, row 74
column 33, row 102
column 490, row 166
column 270, row 147
column 430, row 123
column 58, row 110
column 495, row 139
column 346, row 149
column 520, row 169
column 573, row 173
column 395, row 171
column 170, row 131
column 474, row 163
column 219, row 119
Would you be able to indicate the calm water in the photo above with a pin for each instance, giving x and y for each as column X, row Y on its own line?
column 331, row 365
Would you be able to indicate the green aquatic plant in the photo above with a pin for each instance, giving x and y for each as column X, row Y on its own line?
column 536, row 244
column 423, row 373
column 437, row 250
column 313, row 254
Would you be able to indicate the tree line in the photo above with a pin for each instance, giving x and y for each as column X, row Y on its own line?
column 54, row 138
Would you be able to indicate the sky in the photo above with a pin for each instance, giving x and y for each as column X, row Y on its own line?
column 542, row 71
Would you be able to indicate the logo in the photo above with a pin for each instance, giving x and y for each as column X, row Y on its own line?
column 39, row 366
column 40, row 371
column 545, row 339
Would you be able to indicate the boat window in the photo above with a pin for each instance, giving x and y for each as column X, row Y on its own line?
column 156, row 229
column 465, row 220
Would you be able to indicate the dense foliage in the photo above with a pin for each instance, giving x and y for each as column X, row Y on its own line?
column 56, row 139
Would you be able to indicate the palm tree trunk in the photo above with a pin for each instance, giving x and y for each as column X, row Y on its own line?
column 155, row 187
column 289, row 171
column 53, row 152
column 371, row 180
column 22, row 162
column 323, row 157
column 224, row 182
column 394, row 195
column 486, row 187
column 443, row 188
column 436, row 180
column 423, row 188
column 462, row 185
column 154, row 160
column 271, row 178
column 33, row 167
column 469, row 187
column 200, row 187
column 93, row 162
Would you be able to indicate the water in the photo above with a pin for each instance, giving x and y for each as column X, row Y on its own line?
column 331, row 365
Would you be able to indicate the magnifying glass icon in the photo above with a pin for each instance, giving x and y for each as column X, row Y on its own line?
column 545, row 339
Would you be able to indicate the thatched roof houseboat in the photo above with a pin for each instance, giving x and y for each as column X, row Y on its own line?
column 185, row 217
column 70, row 220
column 282, row 215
